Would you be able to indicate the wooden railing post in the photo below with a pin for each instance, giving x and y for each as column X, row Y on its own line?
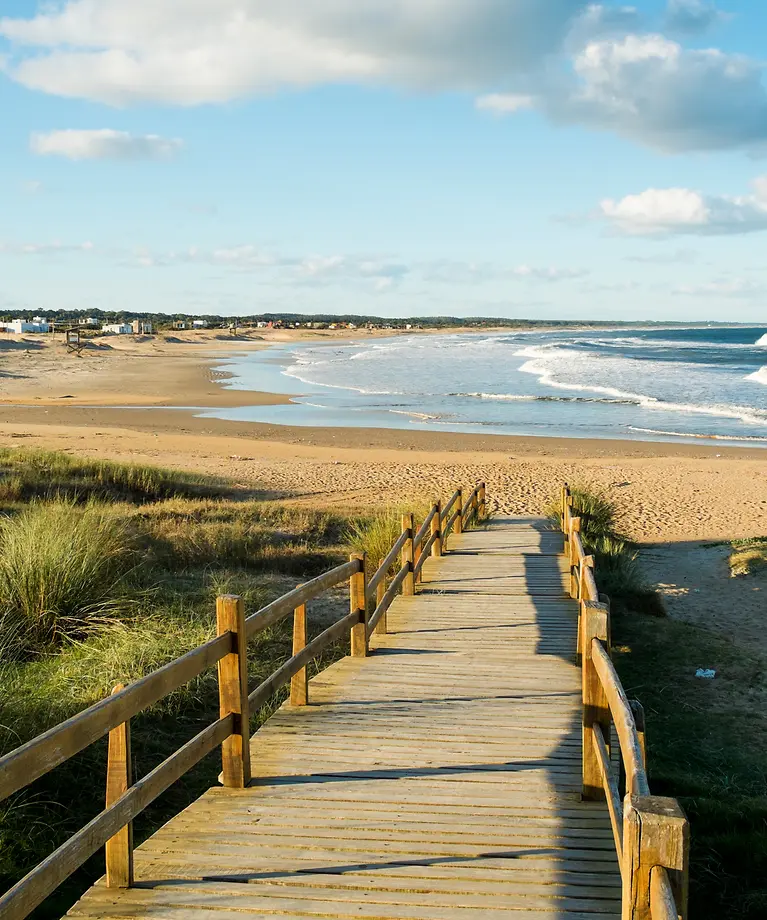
column 408, row 558
column 358, row 605
column 299, row 683
column 436, row 529
column 233, row 691
column 458, row 525
column 655, row 833
column 596, row 710
column 381, row 627
column 482, row 509
column 119, row 849
column 575, row 527
column 563, row 506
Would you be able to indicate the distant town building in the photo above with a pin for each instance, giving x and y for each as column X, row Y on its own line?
column 179, row 324
column 117, row 328
column 141, row 327
column 87, row 321
column 200, row 323
column 19, row 326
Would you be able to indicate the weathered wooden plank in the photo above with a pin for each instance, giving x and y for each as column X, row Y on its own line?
column 438, row 778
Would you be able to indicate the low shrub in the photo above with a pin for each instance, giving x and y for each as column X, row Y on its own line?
column 63, row 573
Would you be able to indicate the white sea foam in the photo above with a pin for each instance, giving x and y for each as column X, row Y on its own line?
column 546, row 377
column 759, row 376
column 762, row 341
column 702, row 437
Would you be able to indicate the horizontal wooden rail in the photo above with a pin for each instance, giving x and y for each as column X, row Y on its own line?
column 387, row 563
column 614, row 805
column 293, row 665
column 662, row 902
column 448, row 507
column 651, row 833
column 126, row 800
column 424, row 554
column 387, row 599
column 623, row 719
column 425, row 527
column 35, row 887
column 39, row 756
column 285, row 605
column 451, row 521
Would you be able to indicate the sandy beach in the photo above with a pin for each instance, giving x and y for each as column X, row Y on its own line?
column 54, row 400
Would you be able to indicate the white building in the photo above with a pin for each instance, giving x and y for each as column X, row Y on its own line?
column 117, row 328
column 141, row 327
column 200, row 323
column 88, row 321
column 19, row 326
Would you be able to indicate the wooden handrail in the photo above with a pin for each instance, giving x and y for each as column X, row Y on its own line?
column 446, row 508
column 425, row 527
column 424, row 554
column 285, row 605
column 662, row 903
column 125, row 800
column 387, row 563
column 651, row 833
column 623, row 719
column 34, row 888
column 40, row 755
column 614, row 805
column 387, row 599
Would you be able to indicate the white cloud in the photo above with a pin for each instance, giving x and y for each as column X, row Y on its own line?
column 652, row 89
column 44, row 249
column 692, row 17
column 548, row 274
column 685, row 211
column 217, row 50
column 505, row 103
column 723, row 287
column 104, row 144
column 576, row 61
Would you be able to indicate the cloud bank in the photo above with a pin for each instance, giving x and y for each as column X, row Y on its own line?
column 103, row 144
column 574, row 61
column 679, row 211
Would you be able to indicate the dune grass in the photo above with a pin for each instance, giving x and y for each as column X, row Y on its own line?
column 375, row 534
column 63, row 574
column 706, row 747
column 27, row 474
column 617, row 570
column 749, row 557
column 107, row 572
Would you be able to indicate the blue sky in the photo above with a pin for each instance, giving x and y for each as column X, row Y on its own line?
column 531, row 158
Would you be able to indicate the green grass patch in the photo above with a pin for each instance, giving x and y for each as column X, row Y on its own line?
column 749, row 557
column 107, row 572
column 617, row 570
column 707, row 746
column 28, row 474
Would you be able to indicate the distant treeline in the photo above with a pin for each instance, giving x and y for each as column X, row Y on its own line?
column 161, row 320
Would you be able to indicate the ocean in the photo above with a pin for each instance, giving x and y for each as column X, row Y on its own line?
column 658, row 384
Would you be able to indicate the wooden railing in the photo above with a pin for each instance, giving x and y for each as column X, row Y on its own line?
column 651, row 833
column 125, row 799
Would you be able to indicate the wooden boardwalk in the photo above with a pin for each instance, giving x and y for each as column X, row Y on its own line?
column 438, row 778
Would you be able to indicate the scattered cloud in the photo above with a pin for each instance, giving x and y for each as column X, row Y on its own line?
column 664, row 212
column 723, row 287
column 692, row 17
column 504, row 103
column 104, row 144
column 145, row 51
column 44, row 249
column 548, row 274
column 575, row 61
column 677, row 257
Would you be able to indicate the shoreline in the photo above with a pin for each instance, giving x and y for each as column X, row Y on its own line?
column 664, row 491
